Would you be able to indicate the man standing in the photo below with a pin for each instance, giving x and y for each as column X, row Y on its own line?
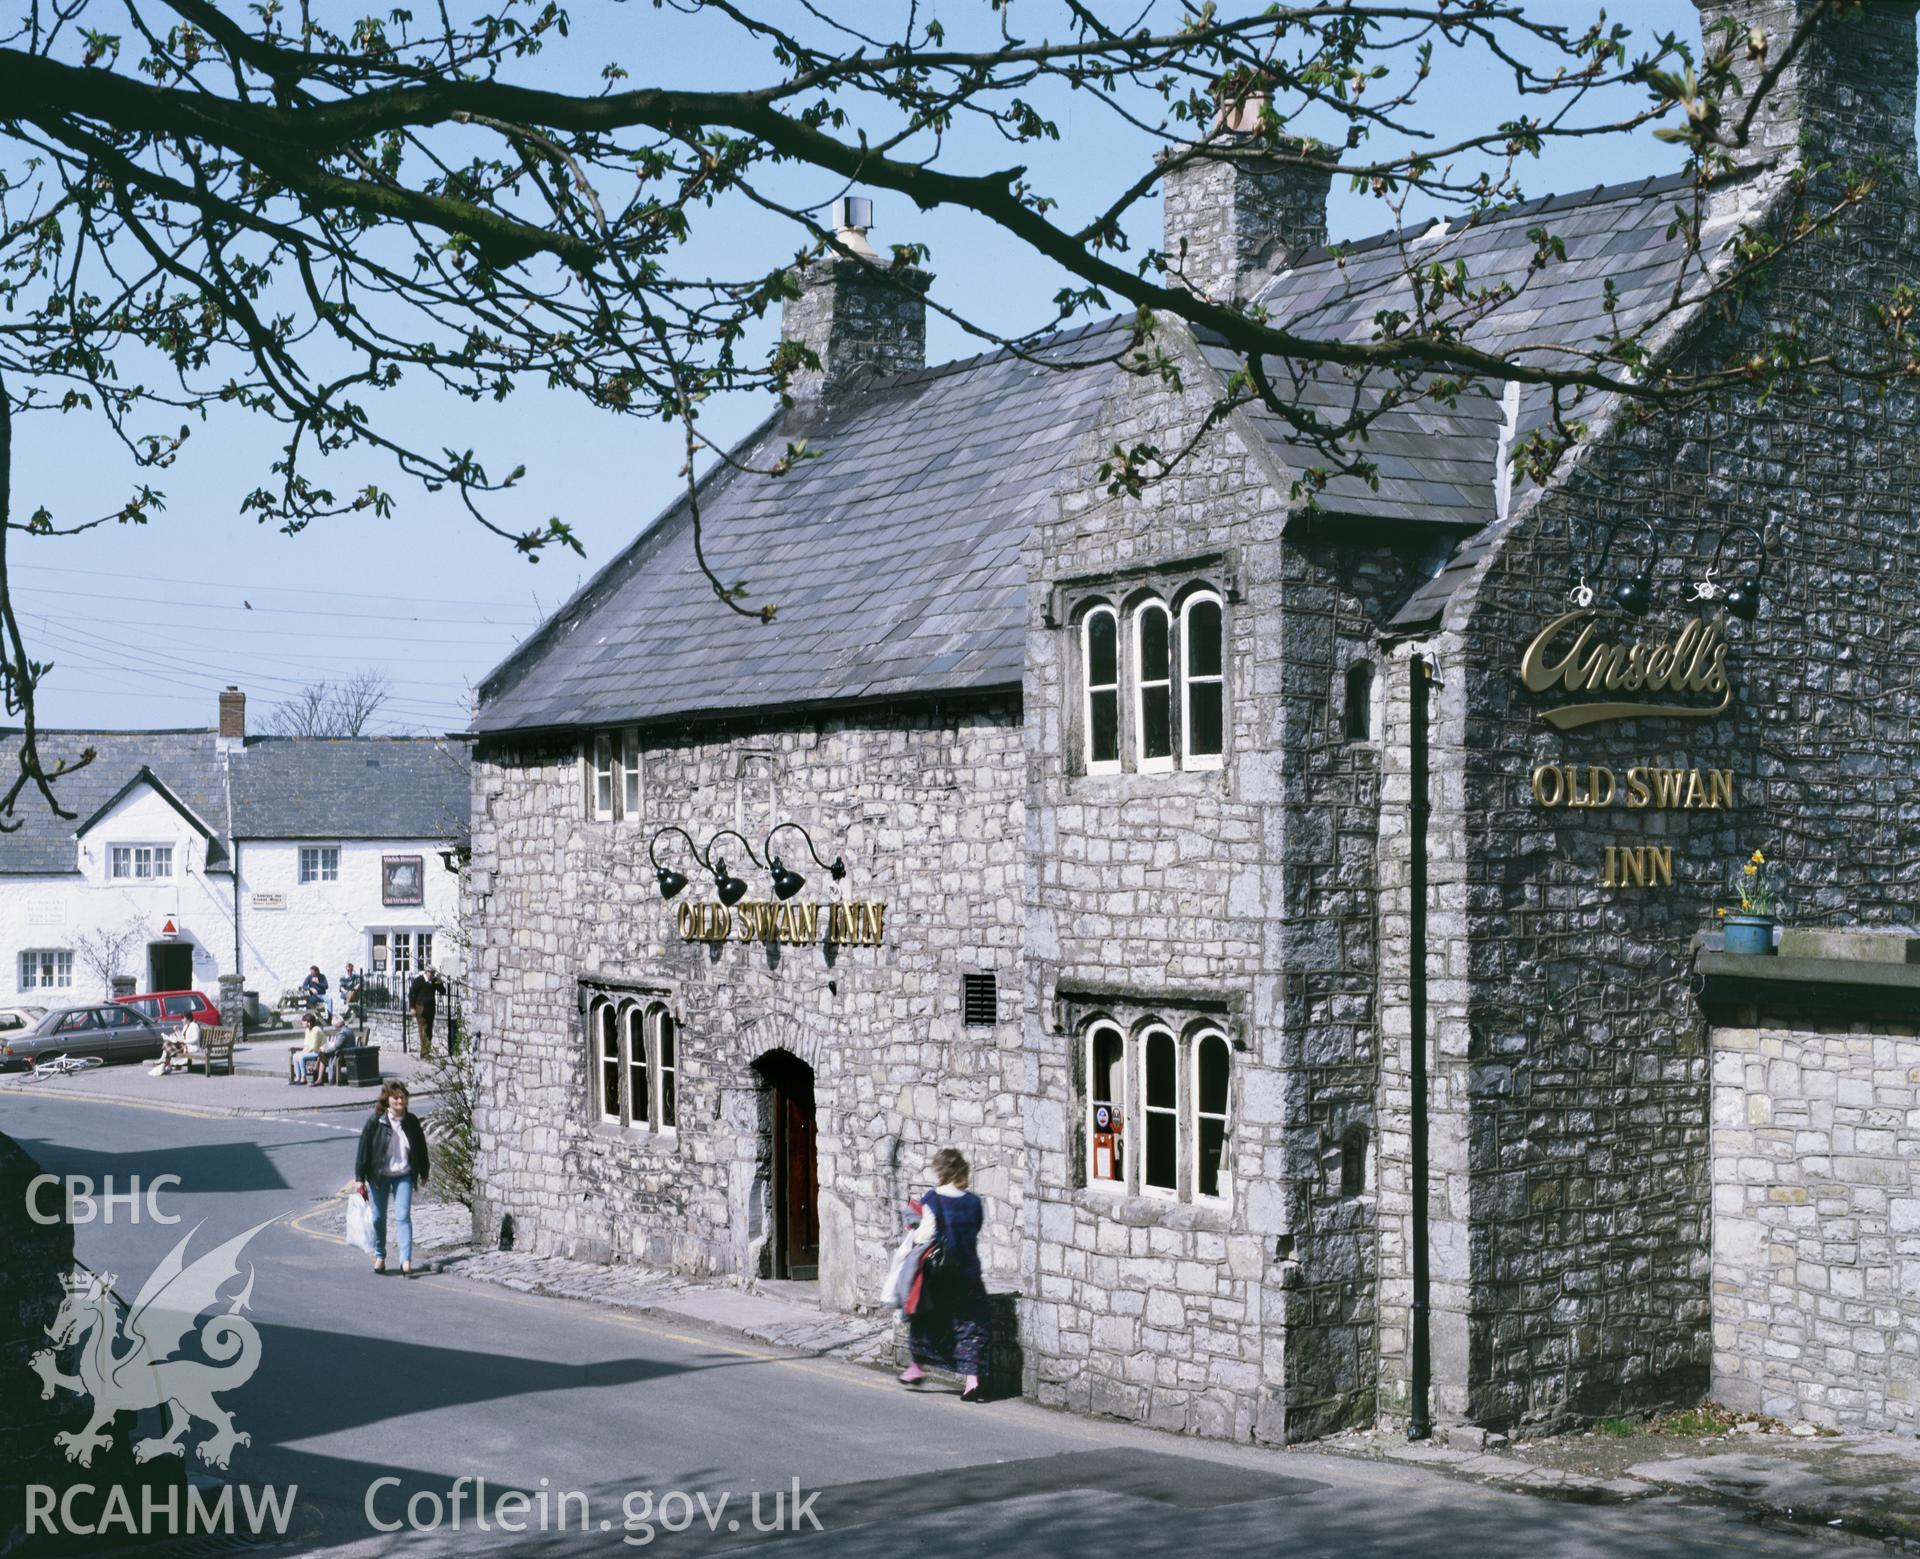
column 420, row 997
column 350, row 984
column 313, row 990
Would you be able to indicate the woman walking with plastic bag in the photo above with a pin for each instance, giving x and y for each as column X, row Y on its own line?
column 947, row 1317
column 391, row 1160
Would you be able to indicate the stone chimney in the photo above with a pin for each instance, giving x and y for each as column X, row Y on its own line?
column 233, row 717
column 1847, row 96
column 859, row 316
column 1243, row 210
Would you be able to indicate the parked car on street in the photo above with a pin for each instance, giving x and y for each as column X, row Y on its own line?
column 170, row 1009
column 19, row 1017
column 109, row 1030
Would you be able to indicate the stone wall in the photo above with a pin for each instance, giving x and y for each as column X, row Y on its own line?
column 1241, row 895
column 926, row 807
column 1816, row 1224
column 1583, row 1059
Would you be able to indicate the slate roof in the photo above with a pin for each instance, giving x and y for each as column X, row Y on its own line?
column 284, row 788
column 43, row 844
column 1618, row 234
column 895, row 557
column 291, row 787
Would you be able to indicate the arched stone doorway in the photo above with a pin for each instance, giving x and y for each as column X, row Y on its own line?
column 789, row 1141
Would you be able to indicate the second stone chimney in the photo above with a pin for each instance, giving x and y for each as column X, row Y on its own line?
column 858, row 316
column 1847, row 96
column 1243, row 209
column 233, row 718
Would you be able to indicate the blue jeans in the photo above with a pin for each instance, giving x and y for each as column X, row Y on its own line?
column 399, row 1191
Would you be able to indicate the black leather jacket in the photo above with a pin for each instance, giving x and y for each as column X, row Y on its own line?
column 374, row 1138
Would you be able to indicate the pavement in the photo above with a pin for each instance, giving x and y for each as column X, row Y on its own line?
column 1794, row 1477
column 257, row 1086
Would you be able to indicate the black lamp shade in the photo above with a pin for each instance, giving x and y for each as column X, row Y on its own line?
column 671, row 882
column 730, row 888
column 838, row 869
column 786, row 883
column 1634, row 596
column 1743, row 601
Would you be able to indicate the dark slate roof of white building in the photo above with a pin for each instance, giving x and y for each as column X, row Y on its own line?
column 894, row 558
column 284, row 788
column 289, row 787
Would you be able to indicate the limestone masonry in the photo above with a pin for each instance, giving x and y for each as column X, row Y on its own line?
column 1170, row 822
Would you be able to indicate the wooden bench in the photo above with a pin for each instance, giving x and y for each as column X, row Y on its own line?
column 216, row 1049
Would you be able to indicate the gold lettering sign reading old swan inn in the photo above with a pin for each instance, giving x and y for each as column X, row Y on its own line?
column 1571, row 654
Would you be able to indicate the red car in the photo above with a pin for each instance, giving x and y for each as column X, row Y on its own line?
column 169, row 1009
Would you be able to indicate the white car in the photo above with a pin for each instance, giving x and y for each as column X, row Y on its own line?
column 20, row 1017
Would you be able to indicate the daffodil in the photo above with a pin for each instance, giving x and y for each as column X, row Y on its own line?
column 1750, row 868
column 1721, row 911
column 1759, row 859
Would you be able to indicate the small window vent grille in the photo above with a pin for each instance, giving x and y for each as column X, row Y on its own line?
column 979, row 1000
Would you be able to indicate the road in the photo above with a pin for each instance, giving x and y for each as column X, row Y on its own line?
column 374, row 1392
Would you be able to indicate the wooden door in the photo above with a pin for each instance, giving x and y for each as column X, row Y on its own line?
column 796, row 1189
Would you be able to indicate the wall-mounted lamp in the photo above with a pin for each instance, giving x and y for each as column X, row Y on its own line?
column 1634, row 595
column 671, row 881
column 729, row 888
column 786, row 883
column 1743, row 600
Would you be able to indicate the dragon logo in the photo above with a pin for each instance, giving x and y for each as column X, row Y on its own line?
column 148, row 1374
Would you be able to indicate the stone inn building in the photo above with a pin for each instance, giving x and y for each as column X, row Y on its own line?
column 1295, row 914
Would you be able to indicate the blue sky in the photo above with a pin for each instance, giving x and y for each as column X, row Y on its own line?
column 146, row 623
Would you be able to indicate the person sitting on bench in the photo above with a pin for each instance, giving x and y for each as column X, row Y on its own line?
column 336, row 1044
column 305, row 1062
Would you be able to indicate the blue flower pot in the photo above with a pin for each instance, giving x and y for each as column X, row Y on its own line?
column 1749, row 934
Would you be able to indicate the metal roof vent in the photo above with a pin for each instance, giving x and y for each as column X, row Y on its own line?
column 852, row 216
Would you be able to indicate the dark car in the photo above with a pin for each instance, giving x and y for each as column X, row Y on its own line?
column 109, row 1030
column 170, row 1009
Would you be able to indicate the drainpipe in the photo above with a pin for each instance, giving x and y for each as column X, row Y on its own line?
column 1419, row 1420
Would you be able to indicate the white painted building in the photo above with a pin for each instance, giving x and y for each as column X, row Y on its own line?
column 195, row 854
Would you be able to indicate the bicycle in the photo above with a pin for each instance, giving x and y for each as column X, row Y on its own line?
column 61, row 1066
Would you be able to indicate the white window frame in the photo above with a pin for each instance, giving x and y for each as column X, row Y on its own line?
column 326, row 864
column 1141, row 682
column 1117, row 1186
column 1088, row 687
column 632, row 797
column 1224, row 1117
column 603, row 1023
column 130, row 855
column 663, row 1028
column 1189, row 759
column 636, row 1053
column 600, row 786
column 59, row 966
column 1144, row 1043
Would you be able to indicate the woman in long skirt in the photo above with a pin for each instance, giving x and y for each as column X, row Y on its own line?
column 948, row 1329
